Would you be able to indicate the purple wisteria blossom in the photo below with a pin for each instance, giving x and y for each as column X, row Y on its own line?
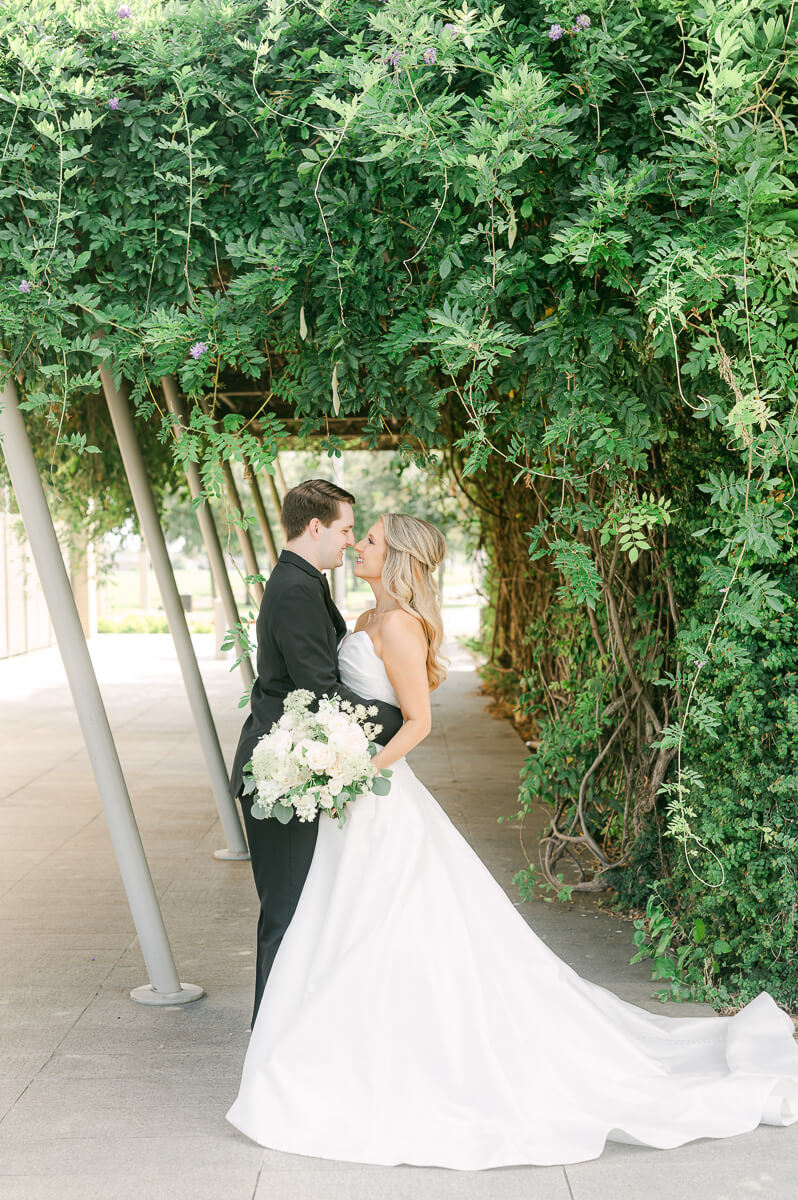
column 583, row 21
column 394, row 58
column 24, row 285
column 450, row 29
column 114, row 35
column 114, row 103
column 556, row 32
column 430, row 55
column 198, row 349
column 124, row 12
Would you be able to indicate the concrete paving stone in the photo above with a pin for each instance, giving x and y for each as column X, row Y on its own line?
column 102, row 933
column 412, row 1183
column 159, row 1065
column 71, row 1107
column 222, row 1030
column 35, row 1005
column 194, row 1183
column 31, row 1045
column 23, row 1061
column 144, row 1158
column 39, row 821
column 762, row 1163
column 11, row 1088
column 16, row 864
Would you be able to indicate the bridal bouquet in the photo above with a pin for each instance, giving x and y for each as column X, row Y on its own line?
column 312, row 761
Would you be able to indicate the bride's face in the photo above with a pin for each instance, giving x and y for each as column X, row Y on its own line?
column 371, row 553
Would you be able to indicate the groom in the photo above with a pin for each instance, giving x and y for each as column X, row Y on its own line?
column 298, row 631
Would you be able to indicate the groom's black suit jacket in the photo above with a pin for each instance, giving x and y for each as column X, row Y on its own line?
column 298, row 631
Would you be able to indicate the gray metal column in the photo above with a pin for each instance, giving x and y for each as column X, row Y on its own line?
column 263, row 518
column 278, row 504
column 165, row 987
column 244, row 540
column 213, row 546
column 119, row 408
column 280, row 477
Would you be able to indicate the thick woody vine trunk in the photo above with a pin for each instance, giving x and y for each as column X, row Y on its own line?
column 547, row 653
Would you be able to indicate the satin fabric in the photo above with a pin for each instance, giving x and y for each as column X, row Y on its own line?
column 412, row 1016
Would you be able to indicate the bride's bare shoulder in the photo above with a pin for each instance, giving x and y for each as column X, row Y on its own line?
column 402, row 629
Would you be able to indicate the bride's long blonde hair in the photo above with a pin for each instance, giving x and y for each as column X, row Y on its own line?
column 413, row 548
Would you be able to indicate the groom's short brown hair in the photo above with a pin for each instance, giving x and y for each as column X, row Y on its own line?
column 309, row 499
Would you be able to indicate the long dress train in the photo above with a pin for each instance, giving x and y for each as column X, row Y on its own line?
column 412, row 1016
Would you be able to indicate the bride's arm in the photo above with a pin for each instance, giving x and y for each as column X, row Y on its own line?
column 404, row 653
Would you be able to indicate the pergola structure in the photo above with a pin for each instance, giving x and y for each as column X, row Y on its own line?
column 236, row 394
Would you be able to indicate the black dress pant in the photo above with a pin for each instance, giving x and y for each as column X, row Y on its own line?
column 281, row 856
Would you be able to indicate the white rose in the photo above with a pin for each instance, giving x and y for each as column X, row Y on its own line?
column 355, row 741
column 319, row 756
column 337, row 726
column 281, row 741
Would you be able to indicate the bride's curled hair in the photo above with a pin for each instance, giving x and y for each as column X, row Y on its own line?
column 413, row 550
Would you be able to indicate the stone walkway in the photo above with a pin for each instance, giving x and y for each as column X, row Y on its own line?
column 103, row 1099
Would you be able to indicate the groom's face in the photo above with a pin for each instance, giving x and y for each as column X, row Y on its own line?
column 334, row 538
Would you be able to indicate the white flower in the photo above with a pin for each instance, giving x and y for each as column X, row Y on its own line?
column 372, row 710
column 356, row 741
column 305, row 806
column 335, row 785
column 281, row 742
column 264, row 760
column 336, row 726
column 319, row 756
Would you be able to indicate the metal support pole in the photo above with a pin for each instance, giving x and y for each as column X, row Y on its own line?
column 278, row 507
column 280, row 477
column 263, row 518
column 244, row 540
column 213, row 546
column 119, row 408
column 165, row 987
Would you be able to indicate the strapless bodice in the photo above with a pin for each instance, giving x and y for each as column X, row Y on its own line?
column 362, row 669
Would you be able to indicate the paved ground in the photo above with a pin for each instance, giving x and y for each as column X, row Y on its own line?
column 103, row 1099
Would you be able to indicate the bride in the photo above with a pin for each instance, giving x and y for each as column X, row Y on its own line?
column 412, row 1016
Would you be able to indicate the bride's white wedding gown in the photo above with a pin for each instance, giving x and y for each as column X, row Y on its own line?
column 412, row 1016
